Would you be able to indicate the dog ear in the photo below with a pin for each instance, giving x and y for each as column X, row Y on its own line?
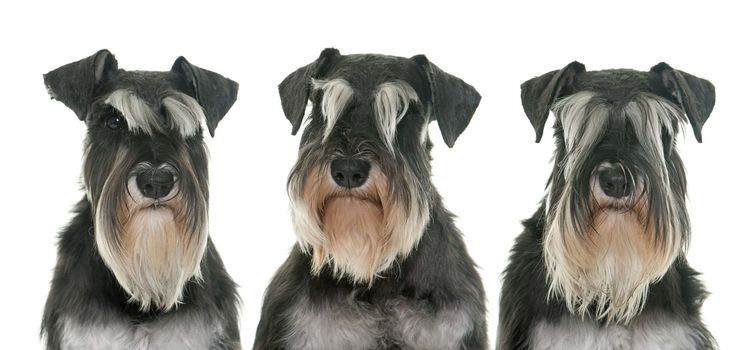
column 74, row 84
column 538, row 94
column 452, row 101
column 295, row 89
column 215, row 93
column 695, row 95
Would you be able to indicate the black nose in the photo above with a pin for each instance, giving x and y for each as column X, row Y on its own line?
column 155, row 183
column 350, row 172
column 613, row 180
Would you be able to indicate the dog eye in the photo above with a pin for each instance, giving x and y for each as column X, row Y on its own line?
column 115, row 122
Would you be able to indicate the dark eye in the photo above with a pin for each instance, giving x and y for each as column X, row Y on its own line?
column 116, row 122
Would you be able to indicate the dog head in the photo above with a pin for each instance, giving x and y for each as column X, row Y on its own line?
column 360, row 189
column 616, row 215
column 145, row 166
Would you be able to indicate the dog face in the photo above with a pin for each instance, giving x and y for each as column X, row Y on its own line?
column 615, row 207
column 145, row 167
column 360, row 189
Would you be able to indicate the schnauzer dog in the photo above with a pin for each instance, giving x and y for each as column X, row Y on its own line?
column 379, row 263
column 136, row 268
column 601, row 264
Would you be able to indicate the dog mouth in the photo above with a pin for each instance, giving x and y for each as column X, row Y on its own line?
column 353, row 197
column 601, row 203
column 348, row 203
column 156, row 204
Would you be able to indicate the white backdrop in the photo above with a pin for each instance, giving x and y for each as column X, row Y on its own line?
column 492, row 179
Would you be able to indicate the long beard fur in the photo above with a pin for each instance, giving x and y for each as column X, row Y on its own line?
column 610, row 262
column 358, row 233
column 153, row 251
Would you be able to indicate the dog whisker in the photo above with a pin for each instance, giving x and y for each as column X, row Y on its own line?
column 362, row 203
column 138, row 242
column 609, row 238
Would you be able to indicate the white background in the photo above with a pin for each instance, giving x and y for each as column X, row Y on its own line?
column 492, row 179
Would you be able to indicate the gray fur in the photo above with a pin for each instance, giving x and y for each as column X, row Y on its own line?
column 585, row 118
column 336, row 95
column 651, row 332
column 343, row 325
column 391, row 102
column 601, row 263
column 381, row 287
column 418, row 327
column 136, row 269
column 350, row 325
column 182, row 333
column 184, row 114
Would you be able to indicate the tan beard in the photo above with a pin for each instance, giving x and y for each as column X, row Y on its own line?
column 358, row 233
column 612, row 264
column 151, row 250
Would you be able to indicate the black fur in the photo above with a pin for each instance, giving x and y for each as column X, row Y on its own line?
column 83, row 288
column 451, row 100
column 695, row 95
column 524, row 299
column 438, row 274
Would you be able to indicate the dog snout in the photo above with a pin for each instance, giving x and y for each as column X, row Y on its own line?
column 156, row 182
column 614, row 180
column 350, row 172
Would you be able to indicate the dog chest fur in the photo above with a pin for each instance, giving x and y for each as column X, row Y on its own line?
column 583, row 274
column 658, row 332
column 379, row 263
column 166, row 333
column 359, row 325
column 135, row 267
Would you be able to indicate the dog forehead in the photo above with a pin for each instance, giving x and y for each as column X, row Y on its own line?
column 619, row 86
column 366, row 72
column 147, row 85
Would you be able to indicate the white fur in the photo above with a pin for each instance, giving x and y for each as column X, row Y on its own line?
column 138, row 114
column 658, row 332
column 391, row 102
column 183, row 113
column 336, row 95
column 182, row 333
column 155, row 268
column 419, row 329
column 616, row 281
column 350, row 324
column 582, row 127
column 333, row 326
column 404, row 226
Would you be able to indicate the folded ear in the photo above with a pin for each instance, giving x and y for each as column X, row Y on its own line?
column 695, row 95
column 215, row 93
column 75, row 83
column 452, row 101
column 538, row 94
column 295, row 89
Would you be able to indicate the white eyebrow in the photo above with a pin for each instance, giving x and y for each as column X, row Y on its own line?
column 336, row 94
column 391, row 101
column 183, row 113
column 138, row 114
